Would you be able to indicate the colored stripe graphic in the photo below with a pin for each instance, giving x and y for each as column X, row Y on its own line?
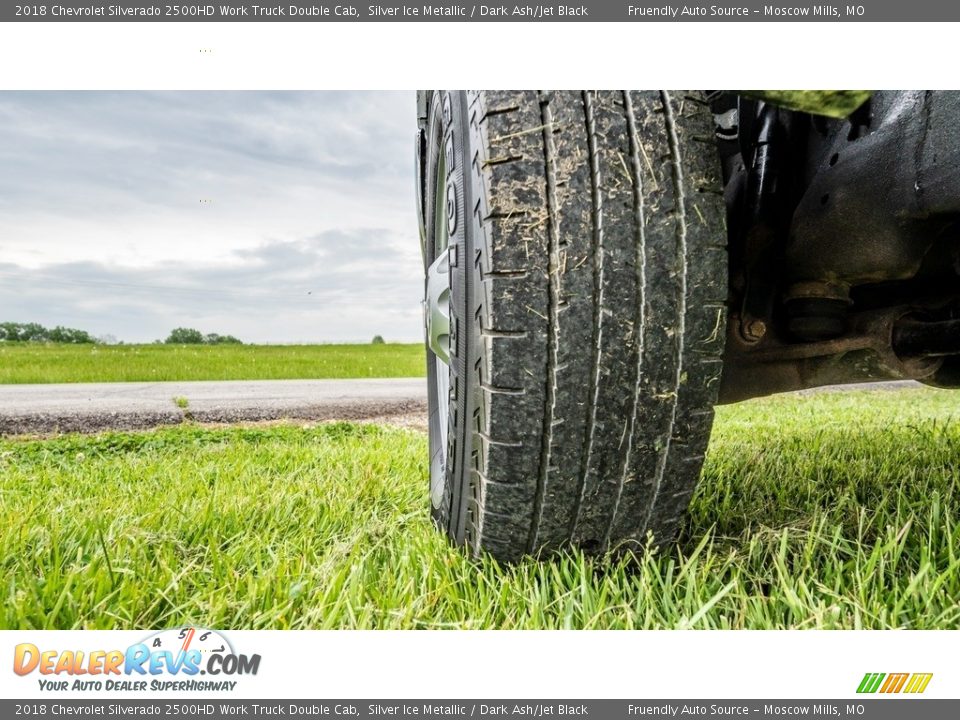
column 870, row 682
column 918, row 682
column 894, row 683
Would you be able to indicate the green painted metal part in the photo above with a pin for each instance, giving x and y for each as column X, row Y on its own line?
column 832, row 103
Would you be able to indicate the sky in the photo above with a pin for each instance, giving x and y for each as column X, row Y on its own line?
column 275, row 217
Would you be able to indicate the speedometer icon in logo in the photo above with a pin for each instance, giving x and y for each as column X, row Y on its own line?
column 184, row 639
column 189, row 650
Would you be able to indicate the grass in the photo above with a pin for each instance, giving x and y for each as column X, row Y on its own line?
column 828, row 511
column 52, row 363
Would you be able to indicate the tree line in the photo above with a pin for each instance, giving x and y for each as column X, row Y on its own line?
column 35, row 332
column 189, row 336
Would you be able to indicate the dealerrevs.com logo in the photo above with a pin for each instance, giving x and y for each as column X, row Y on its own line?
column 169, row 660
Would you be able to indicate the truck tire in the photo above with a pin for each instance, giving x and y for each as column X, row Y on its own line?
column 585, row 246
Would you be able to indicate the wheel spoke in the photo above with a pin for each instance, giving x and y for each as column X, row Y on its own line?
column 437, row 307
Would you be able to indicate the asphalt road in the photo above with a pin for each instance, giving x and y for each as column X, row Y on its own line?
column 90, row 407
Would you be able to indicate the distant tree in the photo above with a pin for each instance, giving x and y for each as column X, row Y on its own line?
column 377, row 340
column 34, row 332
column 9, row 331
column 189, row 336
column 215, row 339
column 62, row 334
column 22, row 332
column 185, row 336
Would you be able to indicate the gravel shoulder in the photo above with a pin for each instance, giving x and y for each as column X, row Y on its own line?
column 44, row 409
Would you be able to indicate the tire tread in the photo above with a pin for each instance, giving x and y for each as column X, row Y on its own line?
column 599, row 298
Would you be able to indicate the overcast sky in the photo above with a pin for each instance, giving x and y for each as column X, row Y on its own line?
column 275, row 217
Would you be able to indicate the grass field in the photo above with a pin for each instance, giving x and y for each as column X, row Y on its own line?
column 828, row 511
column 51, row 363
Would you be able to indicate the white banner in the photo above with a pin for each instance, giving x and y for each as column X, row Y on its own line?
column 442, row 664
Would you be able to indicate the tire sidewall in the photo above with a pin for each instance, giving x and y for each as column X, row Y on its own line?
column 446, row 144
